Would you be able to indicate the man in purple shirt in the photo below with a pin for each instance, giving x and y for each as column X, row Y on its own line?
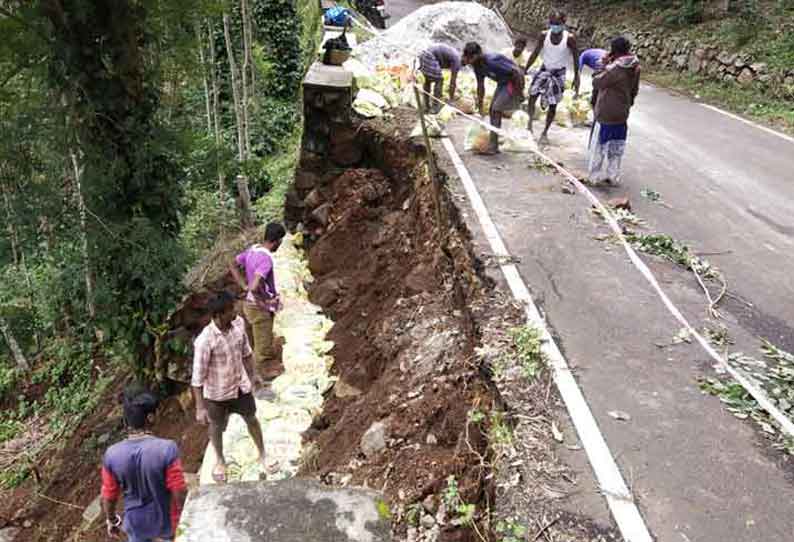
column 432, row 61
column 261, row 300
column 509, row 85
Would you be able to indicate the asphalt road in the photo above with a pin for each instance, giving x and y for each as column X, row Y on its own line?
column 698, row 473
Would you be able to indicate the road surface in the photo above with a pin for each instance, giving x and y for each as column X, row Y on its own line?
column 697, row 472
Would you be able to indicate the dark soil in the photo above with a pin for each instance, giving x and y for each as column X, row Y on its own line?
column 404, row 338
column 69, row 474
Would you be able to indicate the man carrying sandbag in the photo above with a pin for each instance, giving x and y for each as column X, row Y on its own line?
column 509, row 86
column 432, row 61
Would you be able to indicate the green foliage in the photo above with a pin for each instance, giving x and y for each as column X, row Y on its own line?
column 528, row 341
column 500, row 434
column 510, row 531
column 207, row 218
column 463, row 513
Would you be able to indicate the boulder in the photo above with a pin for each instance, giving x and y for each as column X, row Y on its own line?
column 726, row 58
column 345, row 149
column 695, row 63
column 305, row 180
column 759, row 67
column 746, row 76
column 322, row 214
column 374, row 439
column 314, row 199
column 680, row 61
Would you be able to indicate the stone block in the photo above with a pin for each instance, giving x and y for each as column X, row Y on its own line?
column 345, row 149
column 746, row 77
column 289, row 511
column 305, row 180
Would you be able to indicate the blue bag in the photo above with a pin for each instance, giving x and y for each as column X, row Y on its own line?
column 336, row 16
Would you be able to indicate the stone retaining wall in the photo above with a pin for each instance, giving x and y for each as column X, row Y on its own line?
column 654, row 45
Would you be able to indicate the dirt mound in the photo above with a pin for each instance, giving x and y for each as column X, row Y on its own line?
column 403, row 336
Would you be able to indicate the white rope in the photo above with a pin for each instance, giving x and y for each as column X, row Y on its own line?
column 754, row 390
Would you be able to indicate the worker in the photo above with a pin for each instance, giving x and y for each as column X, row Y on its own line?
column 593, row 59
column 518, row 53
column 617, row 85
column 223, row 381
column 555, row 46
column 261, row 299
column 147, row 470
column 432, row 61
column 509, row 86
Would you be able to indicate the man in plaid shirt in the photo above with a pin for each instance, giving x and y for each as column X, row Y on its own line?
column 223, row 379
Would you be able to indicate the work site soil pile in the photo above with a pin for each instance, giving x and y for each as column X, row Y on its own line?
column 397, row 284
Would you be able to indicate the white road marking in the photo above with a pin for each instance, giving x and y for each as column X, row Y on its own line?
column 750, row 123
column 620, row 500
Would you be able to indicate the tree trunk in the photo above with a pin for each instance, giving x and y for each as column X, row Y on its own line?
column 238, row 111
column 249, row 23
column 200, row 42
column 244, row 196
column 246, row 216
column 216, row 113
column 89, row 277
column 245, row 73
column 12, row 231
column 13, row 345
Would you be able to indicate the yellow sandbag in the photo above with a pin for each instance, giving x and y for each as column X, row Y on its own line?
column 465, row 104
column 445, row 115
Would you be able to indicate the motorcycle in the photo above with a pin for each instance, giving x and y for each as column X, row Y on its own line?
column 374, row 11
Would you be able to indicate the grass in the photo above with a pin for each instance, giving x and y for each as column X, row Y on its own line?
column 750, row 102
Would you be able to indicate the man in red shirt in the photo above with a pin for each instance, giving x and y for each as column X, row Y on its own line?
column 148, row 471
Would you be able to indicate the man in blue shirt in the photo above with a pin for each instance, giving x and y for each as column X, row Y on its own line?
column 147, row 472
column 509, row 85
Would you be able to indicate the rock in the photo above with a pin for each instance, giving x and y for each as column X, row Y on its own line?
column 700, row 53
column 326, row 292
column 374, row 439
column 739, row 63
column 27, row 524
column 305, row 180
column 314, row 199
column 293, row 199
column 680, row 61
column 726, row 58
column 431, row 439
column 729, row 78
column 746, row 77
column 322, row 214
column 8, row 534
column 345, row 150
column 234, row 512
column 789, row 80
column 344, row 390
column 759, row 67
column 103, row 439
column 695, row 64
column 620, row 203
column 764, row 78
column 93, row 510
column 430, row 505
column 427, row 521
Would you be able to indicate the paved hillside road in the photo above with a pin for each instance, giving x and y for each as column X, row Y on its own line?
column 697, row 473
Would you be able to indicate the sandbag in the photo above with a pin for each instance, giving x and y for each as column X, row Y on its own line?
column 477, row 138
column 434, row 128
column 519, row 140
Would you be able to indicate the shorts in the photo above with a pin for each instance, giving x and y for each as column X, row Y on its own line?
column 219, row 411
column 503, row 101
